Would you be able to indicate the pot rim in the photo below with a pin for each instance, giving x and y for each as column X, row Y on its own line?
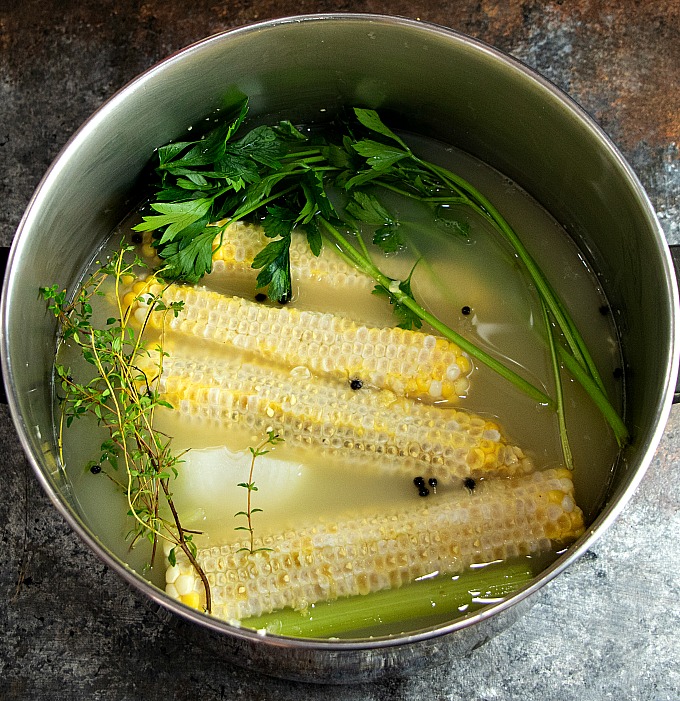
column 609, row 511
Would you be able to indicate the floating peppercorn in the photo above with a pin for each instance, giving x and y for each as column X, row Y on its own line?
column 433, row 483
column 136, row 238
column 260, row 297
column 424, row 492
column 356, row 384
column 618, row 373
column 470, row 484
column 604, row 309
column 96, row 469
column 466, row 311
column 419, row 482
column 284, row 299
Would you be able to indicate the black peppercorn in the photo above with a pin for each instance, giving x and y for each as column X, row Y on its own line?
column 604, row 310
column 260, row 297
column 356, row 384
column 424, row 492
column 466, row 311
column 433, row 483
column 136, row 238
column 284, row 299
column 96, row 469
column 618, row 373
column 469, row 483
column 419, row 482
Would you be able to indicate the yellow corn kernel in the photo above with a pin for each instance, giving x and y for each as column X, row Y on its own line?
column 148, row 251
column 555, row 496
column 464, row 364
column 139, row 287
column 192, row 599
column 364, row 554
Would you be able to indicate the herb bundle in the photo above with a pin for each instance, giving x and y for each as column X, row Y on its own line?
column 284, row 177
column 123, row 400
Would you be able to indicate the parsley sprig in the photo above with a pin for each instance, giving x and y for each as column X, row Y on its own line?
column 290, row 179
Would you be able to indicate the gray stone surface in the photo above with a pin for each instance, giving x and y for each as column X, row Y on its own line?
column 605, row 629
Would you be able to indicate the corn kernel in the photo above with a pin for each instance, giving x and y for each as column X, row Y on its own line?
column 191, row 599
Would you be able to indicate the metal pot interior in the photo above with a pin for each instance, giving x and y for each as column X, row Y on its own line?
column 426, row 79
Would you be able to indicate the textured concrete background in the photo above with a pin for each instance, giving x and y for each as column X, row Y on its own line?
column 606, row 629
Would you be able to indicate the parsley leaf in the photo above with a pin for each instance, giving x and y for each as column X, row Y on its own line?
column 379, row 156
column 278, row 222
column 389, row 238
column 371, row 120
column 314, row 239
column 263, row 145
column 366, row 208
column 175, row 215
column 274, row 259
column 190, row 258
column 408, row 319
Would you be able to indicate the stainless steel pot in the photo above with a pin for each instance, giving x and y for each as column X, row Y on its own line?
column 428, row 79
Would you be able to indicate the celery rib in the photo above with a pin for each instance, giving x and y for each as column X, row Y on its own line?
column 443, row 596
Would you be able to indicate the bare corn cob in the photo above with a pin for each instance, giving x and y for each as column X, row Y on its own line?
column 410, row 363
column 364, row 554
column 235, row 251
column 393, row 433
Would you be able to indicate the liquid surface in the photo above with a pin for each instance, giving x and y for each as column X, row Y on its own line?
column 478, row 273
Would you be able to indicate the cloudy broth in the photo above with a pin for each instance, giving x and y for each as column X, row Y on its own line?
column 470, row 279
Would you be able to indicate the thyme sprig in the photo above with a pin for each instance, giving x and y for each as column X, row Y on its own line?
column 284, row 177
column 122, row 399
column 272, row 439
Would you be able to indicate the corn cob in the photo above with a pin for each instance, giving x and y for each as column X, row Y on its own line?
column 235, row 251
column 409, row 363
column 363, row 554
column 392, row 433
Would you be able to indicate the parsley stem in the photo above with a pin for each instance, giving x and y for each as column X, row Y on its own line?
column 546, row 292
column 365, row 264
column 559, row 395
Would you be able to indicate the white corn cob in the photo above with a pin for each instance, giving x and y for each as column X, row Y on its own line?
column 240, row 243
column 392, row 433
column 363, row 554
column 410, row 363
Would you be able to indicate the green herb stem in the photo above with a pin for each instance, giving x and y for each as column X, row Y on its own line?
column 440, row 596
column 545, row 290
column 365, row 264
column 559, row 394
column 597, row 395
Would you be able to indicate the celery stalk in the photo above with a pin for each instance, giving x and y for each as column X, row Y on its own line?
column 443, row 596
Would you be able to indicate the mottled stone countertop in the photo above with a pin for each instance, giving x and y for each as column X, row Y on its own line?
column 606, row 629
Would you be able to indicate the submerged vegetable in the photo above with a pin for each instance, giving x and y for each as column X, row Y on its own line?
column 390, row 433
column 239, row 244
column 410, row 363
column 363, row 554
column 429, row 600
